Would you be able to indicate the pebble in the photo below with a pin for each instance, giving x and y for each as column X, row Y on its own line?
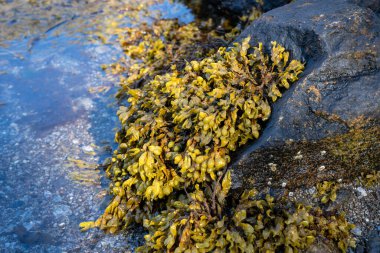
column 323, row 152
column 283, row 184
column 87, row 148
column 322, row 168
column 362, row 192
column 357, row 231
column 272, row 166
column 291, row 194
column 312, row 190
column 62, row 210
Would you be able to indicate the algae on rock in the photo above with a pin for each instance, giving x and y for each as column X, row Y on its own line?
column 183, row 120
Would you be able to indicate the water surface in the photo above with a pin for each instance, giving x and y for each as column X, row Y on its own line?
column 57, row 110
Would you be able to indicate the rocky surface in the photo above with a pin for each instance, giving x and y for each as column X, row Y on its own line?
column 338, row 93
column 233, row 8
column 326, row 127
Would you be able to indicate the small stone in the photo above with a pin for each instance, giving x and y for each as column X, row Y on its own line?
column 322, row 168
column 289, row 141
column 61, row 224
column 47, row 194
column 362, row 192
column 57, row 199
column 323, row 152
column 291, row 194
column 340, row 180
column 299, row 156
column 272, row 166
column 75, row 141
column 269, row 183
column 357, row 231
column 62, row 211
column 87, row 148
column 29, row 225
column 312, row 190
column 283, row 184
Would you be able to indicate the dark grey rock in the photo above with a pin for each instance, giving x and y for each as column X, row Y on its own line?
column 32, row 237
column 372, row 4
column 236, row 8
column 321, row 113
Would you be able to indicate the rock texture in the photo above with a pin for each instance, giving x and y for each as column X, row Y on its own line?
column 327, row 125
column 233, row 9
column 240, row 7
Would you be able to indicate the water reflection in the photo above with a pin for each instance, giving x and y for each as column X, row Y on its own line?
column 54, row 110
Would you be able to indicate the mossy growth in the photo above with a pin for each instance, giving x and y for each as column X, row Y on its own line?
column 358, row 145
column 182, row 122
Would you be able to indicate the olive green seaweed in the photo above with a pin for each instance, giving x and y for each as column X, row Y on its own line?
column 184, row 118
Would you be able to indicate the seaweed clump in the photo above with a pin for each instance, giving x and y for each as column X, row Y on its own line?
column 180, row 127
column 327, row 191
column 169, row 172
column 150, row 49
column 256, row 224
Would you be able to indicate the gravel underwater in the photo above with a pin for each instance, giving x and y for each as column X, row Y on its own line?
column 58, row 112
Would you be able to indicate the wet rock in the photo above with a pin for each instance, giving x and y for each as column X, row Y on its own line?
column 373, row 244
column 330, row 118
column 372, row 4
column 359, row 249
column 357, row 231
column 362, row 192
column 233, row 8
column 62, row 211
column 88, row 148
column 31, row 237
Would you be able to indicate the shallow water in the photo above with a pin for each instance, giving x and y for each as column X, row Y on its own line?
column 48, row 120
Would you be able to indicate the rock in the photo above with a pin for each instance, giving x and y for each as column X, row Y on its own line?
column 362, row 192
column 62, row 211
column 330, row 118
column 31, row 237
column 373, row 244
column 372, row 4
column 88, row 149
column 357, row 231
column 238, row 8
